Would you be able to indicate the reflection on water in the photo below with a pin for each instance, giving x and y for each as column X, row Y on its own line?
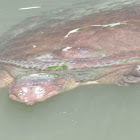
column 100, row 112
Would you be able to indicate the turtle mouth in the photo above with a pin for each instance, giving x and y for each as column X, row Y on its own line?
column 29, row 102
column 23, row 99
column 16, row 98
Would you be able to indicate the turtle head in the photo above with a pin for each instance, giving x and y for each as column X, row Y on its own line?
column 38, row 87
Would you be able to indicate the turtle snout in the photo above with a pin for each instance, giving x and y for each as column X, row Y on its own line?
column 29, row 102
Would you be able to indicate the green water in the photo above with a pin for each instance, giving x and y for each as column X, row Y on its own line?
column 94, row 112
column 89, row 112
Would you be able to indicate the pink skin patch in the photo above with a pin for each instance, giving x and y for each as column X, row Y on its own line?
column 34, row 89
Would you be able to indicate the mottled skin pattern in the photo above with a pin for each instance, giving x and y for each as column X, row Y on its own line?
column 58, row 55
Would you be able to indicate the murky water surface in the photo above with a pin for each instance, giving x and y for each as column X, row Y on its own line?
column 94, row 112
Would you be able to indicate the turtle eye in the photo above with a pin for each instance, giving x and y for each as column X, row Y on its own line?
column 39, row 90
column 136, row 71
column 20, row 93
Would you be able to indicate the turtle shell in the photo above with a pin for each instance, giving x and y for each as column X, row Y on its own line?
column 97, row 46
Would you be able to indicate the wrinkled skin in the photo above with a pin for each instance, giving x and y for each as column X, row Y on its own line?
column 97, row 48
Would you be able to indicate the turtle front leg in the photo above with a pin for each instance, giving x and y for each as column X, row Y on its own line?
column 5, row 78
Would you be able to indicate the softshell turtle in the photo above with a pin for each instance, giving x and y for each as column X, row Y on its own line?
column 42, row 57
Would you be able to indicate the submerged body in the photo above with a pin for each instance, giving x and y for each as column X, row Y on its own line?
column 57, row 55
